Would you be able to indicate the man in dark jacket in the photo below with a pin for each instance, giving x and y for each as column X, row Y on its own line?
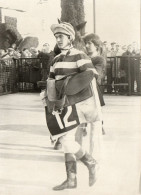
column 46, row 57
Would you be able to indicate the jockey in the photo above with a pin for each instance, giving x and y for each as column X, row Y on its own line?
column 81, row 104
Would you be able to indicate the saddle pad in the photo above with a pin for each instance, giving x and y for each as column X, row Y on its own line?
column 79, row 82
column 62, row 122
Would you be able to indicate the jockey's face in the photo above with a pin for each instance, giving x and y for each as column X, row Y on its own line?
column 90, row 47
column 62, row 40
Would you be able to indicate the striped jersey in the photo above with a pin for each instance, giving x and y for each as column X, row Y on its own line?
column 65, row 64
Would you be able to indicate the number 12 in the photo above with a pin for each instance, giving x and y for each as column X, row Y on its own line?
column 65, row 119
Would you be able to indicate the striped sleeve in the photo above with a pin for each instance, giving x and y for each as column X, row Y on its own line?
column 84, row 62
column 51, row 73
column 52, row 70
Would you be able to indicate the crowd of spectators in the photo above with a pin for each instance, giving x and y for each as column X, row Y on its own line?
column 45, row 56
column 114, row 49
column 29, row 56
column 111, row 50
column 122, row 69
column 13, row 52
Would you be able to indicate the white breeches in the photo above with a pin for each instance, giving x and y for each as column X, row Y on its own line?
column 93, row 142
column 89, row 111
column 68, row 142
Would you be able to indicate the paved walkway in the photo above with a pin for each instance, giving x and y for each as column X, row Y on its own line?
column 30, row 166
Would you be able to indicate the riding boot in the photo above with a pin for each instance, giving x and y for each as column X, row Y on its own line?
column 71, row 181
column 90, row 163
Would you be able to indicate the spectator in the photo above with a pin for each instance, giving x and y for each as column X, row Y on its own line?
column 128, row 52
column 46, row 56
column 118, row 51
column 135, row 69
column 124, row 48
column 112, row 51
column 25, row 53
column 2, row 53
column 124, row 68
column 34, row 52
column 135, row 48
column 14, row 46
column 11, row 52
column 105, row 49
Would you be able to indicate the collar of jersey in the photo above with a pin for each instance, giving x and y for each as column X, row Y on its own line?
column 66, row 51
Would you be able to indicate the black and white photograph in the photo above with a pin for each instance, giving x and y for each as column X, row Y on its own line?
column 70, row 97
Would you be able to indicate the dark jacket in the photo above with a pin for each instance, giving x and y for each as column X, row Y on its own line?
column 124, row 61
column 99, row 63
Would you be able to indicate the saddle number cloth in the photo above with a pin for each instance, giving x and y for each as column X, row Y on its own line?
column 66, row 120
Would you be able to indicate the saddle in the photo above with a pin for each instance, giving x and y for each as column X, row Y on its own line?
column 71, row 90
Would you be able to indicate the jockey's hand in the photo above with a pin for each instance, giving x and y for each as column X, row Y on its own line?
column 94, row 72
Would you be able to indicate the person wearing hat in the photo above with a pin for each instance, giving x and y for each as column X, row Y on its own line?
column 135, row 69
column 112, row 50
column 45, row 56
column 124, row 48
column 105, row 49
column 124, row 65
column 11, row 52
column 118, row 50
column 87, row 107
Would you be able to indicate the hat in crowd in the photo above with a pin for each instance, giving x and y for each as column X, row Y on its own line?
column 105, row 43
column 33, row 49
column 10, row 49
column 46, row 44
column 113, row 43
column 124, row 47
column 92, row 37
column 64, row 28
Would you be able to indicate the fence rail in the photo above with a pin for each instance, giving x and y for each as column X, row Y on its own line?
column 29, row 72
column 123, row 75
column 8, row 76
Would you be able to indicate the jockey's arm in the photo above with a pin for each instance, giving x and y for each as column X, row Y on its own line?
column 85, row 63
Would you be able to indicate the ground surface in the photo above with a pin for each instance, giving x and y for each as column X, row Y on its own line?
column 30, row 166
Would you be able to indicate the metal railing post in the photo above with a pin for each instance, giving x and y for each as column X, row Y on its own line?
column 129, row 75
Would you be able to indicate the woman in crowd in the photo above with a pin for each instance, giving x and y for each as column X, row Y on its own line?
column 86, row 107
